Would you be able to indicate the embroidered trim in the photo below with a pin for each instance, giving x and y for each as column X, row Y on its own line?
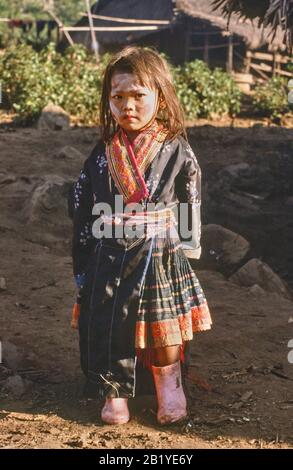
column 128, row 162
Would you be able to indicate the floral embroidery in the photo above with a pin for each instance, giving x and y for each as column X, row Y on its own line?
column 102, row 163
column 79, row 280
column 199, row 229
column 189, row 150
column 78, row 188
column 85, row 234
column 192, row 192
column 166, row 148
column 153, row 183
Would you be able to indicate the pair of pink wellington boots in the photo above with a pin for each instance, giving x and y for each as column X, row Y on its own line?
column 170, row 395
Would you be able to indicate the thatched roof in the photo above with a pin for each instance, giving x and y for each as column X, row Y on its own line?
column 142, row 9
column 275, row 14
column 166, row 10
column 254, row 36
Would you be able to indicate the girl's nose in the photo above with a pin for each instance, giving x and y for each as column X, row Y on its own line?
column 128, row 104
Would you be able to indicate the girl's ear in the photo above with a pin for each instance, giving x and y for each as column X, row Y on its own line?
column 162, row 103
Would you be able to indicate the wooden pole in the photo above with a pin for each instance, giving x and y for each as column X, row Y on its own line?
column 93, row 35
column 278, row 68
column 247, row 62
column 230, row 54
column 187, row 45
column 206, row 49
column 127, row 20
column 113, row 28
column 274, row 64
column 60, row 26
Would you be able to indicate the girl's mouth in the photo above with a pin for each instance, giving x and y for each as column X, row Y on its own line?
column 129, row 118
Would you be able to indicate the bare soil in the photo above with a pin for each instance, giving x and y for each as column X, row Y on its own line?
column 240, row 381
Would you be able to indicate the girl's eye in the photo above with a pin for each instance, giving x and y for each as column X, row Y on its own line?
column 116, row 97
column 140, row 95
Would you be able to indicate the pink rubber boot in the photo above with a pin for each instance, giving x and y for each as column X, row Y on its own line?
column 170, row 394
column 115, row 411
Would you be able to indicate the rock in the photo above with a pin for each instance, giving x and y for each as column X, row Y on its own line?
column 53, row 117
column 70, row 153
column 2, row 283
column 6, row 178
column 228, row 247
column 15, row 385
column 236, row 170
column 4, row 372
column 257, row 272
column 246, row 395
column 247, row 185
column 243, row 203
column 11, row 356
column 256, row 290
column 287, row 120
column 49, row 199
column 239, row 190
column 92, row 135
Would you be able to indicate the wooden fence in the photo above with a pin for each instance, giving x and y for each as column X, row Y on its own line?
column 267, row 65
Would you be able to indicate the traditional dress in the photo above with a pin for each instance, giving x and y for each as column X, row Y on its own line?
column 138, row 292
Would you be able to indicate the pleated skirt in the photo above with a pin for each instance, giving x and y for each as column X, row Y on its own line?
column 172, row 304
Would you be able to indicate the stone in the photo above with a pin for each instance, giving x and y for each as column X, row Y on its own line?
column 227, row 247
column 11, row 356
column 15, row 385
column 70, row 153
column 49, row 199
column 53, row 117
column 256, row 271
column 256, row 290
column 287, row 120
column 2, row 283
column 236, row 169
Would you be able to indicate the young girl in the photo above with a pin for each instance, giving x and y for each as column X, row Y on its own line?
column 139, row 299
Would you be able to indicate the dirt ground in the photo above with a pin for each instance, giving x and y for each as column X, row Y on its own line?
column 240, row 382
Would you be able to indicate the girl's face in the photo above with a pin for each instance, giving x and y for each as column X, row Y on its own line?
column 132, row 104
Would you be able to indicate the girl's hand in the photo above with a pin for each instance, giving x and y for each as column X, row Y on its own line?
column 76, row 310
column 75, row 315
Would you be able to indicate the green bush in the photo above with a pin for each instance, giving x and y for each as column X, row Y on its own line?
column 204, row 92
column 31, row 80
column 82, row 82
column 272, row 97
column 21, row 77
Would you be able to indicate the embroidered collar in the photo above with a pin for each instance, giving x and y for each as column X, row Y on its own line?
column 128, row 161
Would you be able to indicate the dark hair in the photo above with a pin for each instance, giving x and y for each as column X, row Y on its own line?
column 152, row 71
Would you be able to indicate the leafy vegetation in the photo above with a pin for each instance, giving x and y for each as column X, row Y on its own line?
column 206, row 93
column 66, row 10
column 30, row 80
column 272, row 97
